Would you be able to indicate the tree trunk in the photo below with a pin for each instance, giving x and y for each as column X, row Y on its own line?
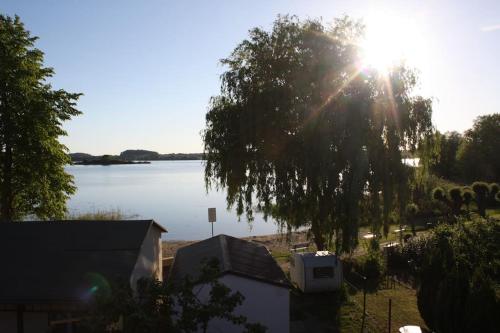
column 319, row 239
column 6, row 209
column 481, row 207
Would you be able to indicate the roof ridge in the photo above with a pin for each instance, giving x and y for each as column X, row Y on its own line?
column 226, row 262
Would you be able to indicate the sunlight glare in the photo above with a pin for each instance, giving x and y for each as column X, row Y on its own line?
column 391, row 40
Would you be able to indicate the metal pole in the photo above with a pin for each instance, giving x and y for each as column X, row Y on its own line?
column 212, row 229
column 390, row 314
column 364, row 305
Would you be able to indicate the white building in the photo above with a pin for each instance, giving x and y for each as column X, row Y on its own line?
column 246, row 267
column 49, row 269
column 316, row 271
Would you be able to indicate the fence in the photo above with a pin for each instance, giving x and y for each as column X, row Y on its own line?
column 387, row 308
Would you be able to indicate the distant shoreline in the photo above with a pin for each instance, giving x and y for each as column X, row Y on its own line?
column 111, row 162
column 133, row 156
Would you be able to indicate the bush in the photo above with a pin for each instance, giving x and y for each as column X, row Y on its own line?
column 494, row 191
column 439, row 194
column 411, row 214
column 457, row 266
column 481, row 189
column 455, row 194
column 468, row 196
column 413, row 252
column 372, row 267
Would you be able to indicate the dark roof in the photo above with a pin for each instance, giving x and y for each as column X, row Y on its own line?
column 234, row 255
column 60, row 261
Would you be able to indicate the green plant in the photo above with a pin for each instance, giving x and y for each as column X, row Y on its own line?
column 411, row 213
column 165, row 306
column 372, row 266
column 481, row 189
column 455, row 194
column 296, row 134
column 468, row 197
column 439, row 194
column 101, row 215
column 33, row 181
column 457, row 271
column 494, row 190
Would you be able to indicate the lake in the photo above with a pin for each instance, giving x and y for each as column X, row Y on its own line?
column 170, row 192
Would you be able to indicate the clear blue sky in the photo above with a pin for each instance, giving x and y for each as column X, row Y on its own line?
column 148, row 67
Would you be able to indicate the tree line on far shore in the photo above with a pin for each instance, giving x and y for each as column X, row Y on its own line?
column 472, row 155
column 136, row 155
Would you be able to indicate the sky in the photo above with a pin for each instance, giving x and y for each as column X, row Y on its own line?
column 147, row 68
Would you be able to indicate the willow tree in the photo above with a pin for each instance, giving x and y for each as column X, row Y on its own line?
column 32, row 160
column 302, row 133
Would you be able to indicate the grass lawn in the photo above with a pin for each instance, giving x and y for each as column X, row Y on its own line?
column 493, row 213
column 323, row 312
column 404, row 307
column 351, row 317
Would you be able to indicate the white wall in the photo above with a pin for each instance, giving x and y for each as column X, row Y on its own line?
column 264, row 303
column 149, row 262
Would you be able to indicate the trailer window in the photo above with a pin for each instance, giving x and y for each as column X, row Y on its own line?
column 325, row 272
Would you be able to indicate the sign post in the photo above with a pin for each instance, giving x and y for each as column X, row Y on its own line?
column 212, row 218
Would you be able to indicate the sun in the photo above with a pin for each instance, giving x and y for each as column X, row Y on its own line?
column 391, row 40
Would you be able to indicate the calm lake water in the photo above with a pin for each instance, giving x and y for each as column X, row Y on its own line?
column 170, row 192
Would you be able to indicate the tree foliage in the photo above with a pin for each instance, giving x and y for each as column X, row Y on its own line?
column 445, row 164
column 32, row 160
column 411, row 214
column 479, row 154
column 166, row 306
column 481, row 191
column 300, row 131
column 456, row 200
column 459, row 269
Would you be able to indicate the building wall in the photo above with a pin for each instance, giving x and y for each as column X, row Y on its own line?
column 8, row 322
column 34, row 322
column 297, row 271
column 264, row 303
column 149, row 262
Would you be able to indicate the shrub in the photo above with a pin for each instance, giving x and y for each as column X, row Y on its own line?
column 494, row 190
column 439, row 194
column 481, row 189
column 372, row 267
column 468, row 196
column 411, row 213
column 457, row 267
column 455, row 194
column 413, row 252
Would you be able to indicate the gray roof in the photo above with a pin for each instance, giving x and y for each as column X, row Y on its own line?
column 319, row 258
column 236, row 256
column 59, row 261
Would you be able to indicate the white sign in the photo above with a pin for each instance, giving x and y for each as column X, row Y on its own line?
column 211, row 215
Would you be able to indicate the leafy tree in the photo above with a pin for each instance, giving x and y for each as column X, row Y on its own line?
column 479, row 154
column 457, row 270
column 303, row 130
column 446, row 164
column 468, row 196
column 494, row 190
column 457, row 200
column 481, row 190
column 411, row 212
column 439, row 194
column 165, row 306
column 32, row 160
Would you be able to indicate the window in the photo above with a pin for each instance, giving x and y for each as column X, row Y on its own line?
column 325, row 272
